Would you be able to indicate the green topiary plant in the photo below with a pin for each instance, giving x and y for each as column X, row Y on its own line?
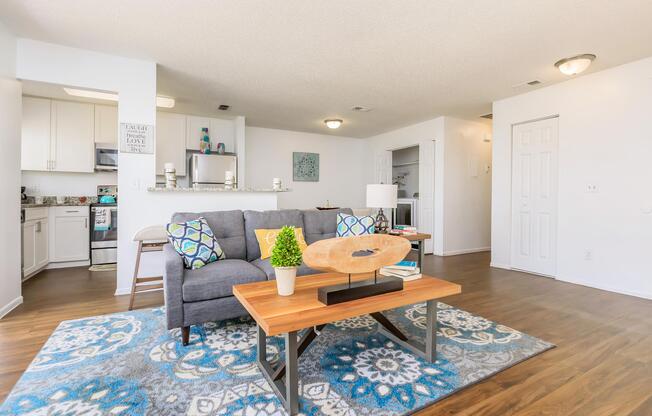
column 286, row 251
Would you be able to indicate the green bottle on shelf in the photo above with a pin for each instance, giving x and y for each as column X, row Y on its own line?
column 205, row 142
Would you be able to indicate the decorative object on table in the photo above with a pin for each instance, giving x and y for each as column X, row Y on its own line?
column 358, row 254
column 327, row 206
column 267, row 240
column 351, row 225
column 195, row 242
column 381, row 196
column 170, row 175
column 286, row 257
column 221, row 149
column 276, row 184
column 403, row 230
column 305, row 167
column 229, row 179
column 205, row 142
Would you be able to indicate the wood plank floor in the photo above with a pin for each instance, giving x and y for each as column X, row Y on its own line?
column 602, row 364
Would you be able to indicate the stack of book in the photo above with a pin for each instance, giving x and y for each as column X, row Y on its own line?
column 404, row 230
column 406, row 270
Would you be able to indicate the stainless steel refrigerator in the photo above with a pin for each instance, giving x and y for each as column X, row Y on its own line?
column 209, row 170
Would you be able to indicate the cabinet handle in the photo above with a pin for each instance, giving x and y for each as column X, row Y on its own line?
column 38, row 227
column 85, row 222
column 72, row 210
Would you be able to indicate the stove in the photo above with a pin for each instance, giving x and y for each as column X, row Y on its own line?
column 104, row 240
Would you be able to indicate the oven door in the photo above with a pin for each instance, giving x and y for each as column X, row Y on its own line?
column 108, row 238
column 106, row 159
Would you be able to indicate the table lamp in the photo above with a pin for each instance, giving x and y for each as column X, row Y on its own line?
column 381, row 196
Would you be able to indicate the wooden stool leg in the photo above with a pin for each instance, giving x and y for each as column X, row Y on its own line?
column 133, row 283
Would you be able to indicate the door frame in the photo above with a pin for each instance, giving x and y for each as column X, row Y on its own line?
column 511, row 195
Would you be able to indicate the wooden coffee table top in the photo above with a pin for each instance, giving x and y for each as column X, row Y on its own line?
column 280, row 314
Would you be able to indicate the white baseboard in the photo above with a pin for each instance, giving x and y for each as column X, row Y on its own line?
column 10, row 306
column 500, row 265
column 68, row 264
column 608, row 288
column 122, row 291
column 466, row 251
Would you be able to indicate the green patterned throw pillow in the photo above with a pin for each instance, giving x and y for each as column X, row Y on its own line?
column 195, row 242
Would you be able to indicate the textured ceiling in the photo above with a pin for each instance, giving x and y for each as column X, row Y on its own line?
column 290, row 64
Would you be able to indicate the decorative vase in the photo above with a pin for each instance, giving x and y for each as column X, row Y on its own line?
column 205, row 142
column 221, row 149
column 285, row 280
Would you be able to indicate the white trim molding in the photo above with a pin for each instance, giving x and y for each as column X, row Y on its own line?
column 500, row 265
column 10, row 306
column 588, row 283
column 466, row 251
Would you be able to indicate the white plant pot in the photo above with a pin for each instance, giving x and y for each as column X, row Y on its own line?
column 285, row 279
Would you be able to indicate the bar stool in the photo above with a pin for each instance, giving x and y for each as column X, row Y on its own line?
column 149, row 239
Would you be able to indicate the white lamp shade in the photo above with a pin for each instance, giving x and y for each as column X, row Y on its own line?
column 382, row 196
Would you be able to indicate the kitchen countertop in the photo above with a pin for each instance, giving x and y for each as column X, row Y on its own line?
column 214, row 189
column 55, row 204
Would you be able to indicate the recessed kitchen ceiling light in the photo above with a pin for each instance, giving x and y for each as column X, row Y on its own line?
column 165, row 102
column 333, row 123
column 575, row 64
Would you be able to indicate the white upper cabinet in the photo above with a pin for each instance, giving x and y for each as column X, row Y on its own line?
column 72, row 144
column 35, row 144
column 106, row 124
column 171, row 142
column 219, row 130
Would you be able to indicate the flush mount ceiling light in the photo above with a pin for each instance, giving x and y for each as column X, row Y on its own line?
column 333, row 123
column 165, row 102
column 575, row 64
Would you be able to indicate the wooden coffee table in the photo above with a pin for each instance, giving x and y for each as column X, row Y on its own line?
column 275, row 315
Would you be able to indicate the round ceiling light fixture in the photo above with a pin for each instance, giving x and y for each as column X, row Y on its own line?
column 333, row 123
column 575, row 64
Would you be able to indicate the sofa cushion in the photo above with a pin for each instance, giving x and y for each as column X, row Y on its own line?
column 267, row 219
column 319, row 225
column 350, row 225
column 195, row 243
column 266, row 267
column 216, row 280
column 227, row 226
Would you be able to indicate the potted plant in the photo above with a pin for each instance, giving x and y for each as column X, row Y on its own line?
column 286, row 257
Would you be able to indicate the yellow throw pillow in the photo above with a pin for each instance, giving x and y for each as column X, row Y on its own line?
column 267, row 238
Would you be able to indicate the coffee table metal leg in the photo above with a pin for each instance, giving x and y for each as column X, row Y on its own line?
column 291, row 373
column 286, row 390
column 420, row 245
column 431, row 330
column 426, row 350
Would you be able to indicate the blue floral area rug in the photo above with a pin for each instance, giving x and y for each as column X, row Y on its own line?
column 129, row 364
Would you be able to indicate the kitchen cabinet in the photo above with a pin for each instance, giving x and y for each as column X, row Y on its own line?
column 57, row 135
column 72, row 144
column 170, row 142
column 69, row 235
column 35, row 241
column 35, row 134
column 219, row 130
column 106, row 124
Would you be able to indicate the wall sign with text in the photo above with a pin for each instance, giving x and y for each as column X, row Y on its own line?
column 136, row 138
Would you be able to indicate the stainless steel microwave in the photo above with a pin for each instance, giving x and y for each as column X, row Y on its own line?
column 106, row 158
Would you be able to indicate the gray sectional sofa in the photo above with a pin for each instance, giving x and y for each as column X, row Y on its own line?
column 197, row 296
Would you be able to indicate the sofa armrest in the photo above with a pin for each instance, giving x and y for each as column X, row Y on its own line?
column 173, row 278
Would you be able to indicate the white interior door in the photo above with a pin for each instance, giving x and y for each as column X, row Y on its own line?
column 534, row 196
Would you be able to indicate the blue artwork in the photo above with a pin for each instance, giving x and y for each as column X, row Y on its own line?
column 305, row 167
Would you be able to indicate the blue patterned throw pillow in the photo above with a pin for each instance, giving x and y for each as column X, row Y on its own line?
column 195, row 242
column 350, row 225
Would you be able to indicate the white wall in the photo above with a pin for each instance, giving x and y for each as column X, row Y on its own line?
column 65, row 184
column 467, row 188
column 10, row 117
column 342, row 170
column 604, row 140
